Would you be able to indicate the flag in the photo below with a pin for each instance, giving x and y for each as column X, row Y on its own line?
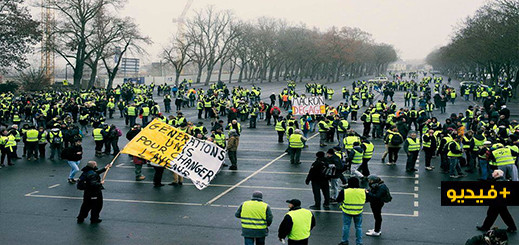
column 167, row 146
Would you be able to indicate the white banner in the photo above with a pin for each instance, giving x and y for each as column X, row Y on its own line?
column 199, row 161
column 312, row 105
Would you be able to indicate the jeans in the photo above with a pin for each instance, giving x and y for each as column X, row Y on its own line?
column 346, row 223
column 454, row 166
column 334, row 188
column 250, row 240
column 485, row 169
column 138, row 170
column 74, row 168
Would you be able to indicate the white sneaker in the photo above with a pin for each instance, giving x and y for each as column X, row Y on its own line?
column 373, row 233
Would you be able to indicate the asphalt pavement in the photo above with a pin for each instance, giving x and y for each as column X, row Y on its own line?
column 38, row 206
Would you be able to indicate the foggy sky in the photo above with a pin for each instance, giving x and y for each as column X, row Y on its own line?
column 414, row 27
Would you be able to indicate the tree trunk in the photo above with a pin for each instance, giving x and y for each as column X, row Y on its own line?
column 231, row 71
column 209, row 73
column 93, row 75
column 220, row 70
column 199, row 74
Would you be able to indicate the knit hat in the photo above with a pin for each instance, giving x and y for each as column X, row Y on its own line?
column 257, row 195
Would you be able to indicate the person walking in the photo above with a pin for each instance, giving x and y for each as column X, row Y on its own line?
column 412, row 148
column 73, row 154
column 323, row 130
column 317, row 176
column 454, row 154
column 377, row 194
column 232, row 148
column 498, row 209
column 296, row 142
column 393, row 140
column 256, row 217
column 296, row 224
column 368, row 148
column 91, row 183
column 352, row 201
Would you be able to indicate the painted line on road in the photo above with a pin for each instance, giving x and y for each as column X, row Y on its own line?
column 415, row 204
column 32, row 194
column 250, row 176
column 116, row 200
column 416, row 188
column 54, row 186
column 245, row 186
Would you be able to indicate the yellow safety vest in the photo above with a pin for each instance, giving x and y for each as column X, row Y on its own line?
column 450, row 153
column 219, row 139
column 254, row 215
column 97, row 134
column 301, row 223
column 413, row 145
column 279, row 126
column 503, row 157
column 375, row 118
column 354, row 199
column 295, row 141
column 368, row 153
column 145, row 111
column 357, row 158
column 32, row 135
column 348, row 141
column 324, row 125
column 131, row 111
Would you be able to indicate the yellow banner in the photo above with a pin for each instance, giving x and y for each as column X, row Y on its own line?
column 159, row 143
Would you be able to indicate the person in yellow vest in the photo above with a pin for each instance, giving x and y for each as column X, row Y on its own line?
column 7, row 143
column 234, row 125
column 368, row 148
column 502, row 158
column 145, row 113
column 454, row 154
column 98, row 139
column 412, row 148
column 296, row 224
column 352, row 200
column 280, row 128
column 131, row 112
column 256, row 217
column 296, row 143
column 323, row 130
column 111, row 108
column 31, row 138
column 42, row 141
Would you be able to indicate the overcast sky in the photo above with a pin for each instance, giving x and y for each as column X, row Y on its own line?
column 414, row 27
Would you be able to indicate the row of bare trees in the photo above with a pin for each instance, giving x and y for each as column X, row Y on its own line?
column 485, row 45
column 88, row 33
column 270, row 49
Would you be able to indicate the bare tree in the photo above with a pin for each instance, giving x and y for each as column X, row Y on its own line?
column 210, row 32
column 177, row 56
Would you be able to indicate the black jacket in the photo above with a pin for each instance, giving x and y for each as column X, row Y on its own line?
column 316, row 171
column 376, row 192
column 93, row 181
column 71, row 153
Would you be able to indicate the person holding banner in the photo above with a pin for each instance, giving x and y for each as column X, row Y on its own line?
column 256, row 217
column 93, row 196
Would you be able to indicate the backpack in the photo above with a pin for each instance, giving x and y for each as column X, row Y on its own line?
column 387, row 196
column 81, row 183
column 119, row 133
column 56, row 139
column 396, row 139
column 330, row 170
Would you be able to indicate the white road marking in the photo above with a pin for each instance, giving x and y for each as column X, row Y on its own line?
column 416, row 195
column 250, row 176
column 54, row 186
column 416, row 188
column 416, row 182
column 30, row 194
column 243, row 186
column 415, row 214
column 415, row 204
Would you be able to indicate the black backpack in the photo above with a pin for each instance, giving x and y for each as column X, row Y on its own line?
column 56, row 139
column 387, row 196
column 81, row 183
column 396, row 139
